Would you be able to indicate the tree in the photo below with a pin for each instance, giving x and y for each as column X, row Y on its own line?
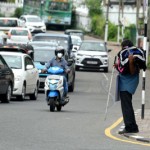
column 94, row 7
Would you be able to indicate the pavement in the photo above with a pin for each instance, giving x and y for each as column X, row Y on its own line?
column 144, row 127
column 143, row 124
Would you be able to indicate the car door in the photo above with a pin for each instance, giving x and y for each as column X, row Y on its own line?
column 31, row 75
column 3, row 76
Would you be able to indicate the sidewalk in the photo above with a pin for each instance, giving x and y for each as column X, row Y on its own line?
column 144, row 127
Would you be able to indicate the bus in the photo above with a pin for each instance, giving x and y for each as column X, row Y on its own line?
column 52, row 12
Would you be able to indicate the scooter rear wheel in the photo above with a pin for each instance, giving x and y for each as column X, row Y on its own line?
column 52, row 105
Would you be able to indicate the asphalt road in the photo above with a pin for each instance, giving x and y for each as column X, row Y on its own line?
column 29, row 125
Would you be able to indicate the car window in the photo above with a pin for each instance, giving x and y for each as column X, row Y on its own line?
column 19, row 32
column 34, row 19
column 13, row 62
column 8, row 22
column 1, row 63
column 92, row 46
column 46, row 54
column 28, row 61
column 60, row 40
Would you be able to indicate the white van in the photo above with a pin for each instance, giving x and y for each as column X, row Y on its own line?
column 6, row 23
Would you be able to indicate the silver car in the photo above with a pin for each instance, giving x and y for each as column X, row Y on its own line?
column 92, row 55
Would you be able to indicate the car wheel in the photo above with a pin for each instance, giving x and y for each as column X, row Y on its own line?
column 106, row 69
column 7, row 97
column 77, row 68
column 22, row 96
column 35, row 94
column 71, row 87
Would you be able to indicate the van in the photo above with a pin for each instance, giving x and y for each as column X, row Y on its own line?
column 6, row 23
column 60, row 39
column 76, row 32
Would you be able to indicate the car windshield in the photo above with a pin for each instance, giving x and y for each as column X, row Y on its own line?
column 76, row 41
column 60, row 40
column 19, row 32
column 92, row 46
column 34, row 19
column 13, row 62
column 46, row 54
column 8, row 23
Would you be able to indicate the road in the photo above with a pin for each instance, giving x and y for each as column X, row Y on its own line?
column 29, row 125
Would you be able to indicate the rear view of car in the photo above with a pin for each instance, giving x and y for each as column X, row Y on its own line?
column 6, row 81
column 92, row 55
column 19, row 35
column 8, row 22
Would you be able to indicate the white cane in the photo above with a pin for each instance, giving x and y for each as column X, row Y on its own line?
column 108, row 97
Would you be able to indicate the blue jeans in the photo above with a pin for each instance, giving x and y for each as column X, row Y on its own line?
column 65, row 84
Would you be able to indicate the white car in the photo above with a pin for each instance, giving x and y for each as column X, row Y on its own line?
column 19, row 35
column 26, row 75
column 76, row 41
column 92, row 55
column 33, row 23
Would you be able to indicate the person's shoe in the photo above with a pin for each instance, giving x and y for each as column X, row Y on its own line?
column 125, row 131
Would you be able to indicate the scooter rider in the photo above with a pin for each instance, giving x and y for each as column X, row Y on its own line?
column 59, row 61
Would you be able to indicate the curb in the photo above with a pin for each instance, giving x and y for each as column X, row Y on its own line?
column 136, row 137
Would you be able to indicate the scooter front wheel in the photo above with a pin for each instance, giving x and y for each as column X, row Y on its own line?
column 59, row 108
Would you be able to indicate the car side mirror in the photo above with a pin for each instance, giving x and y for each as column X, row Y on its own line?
column 70, row 61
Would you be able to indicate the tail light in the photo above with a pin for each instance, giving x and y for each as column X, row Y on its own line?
column 29, row 36
column 9, row 35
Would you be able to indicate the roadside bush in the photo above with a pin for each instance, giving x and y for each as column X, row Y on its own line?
column 112, row 32
column 18, row 12
column 148, row 64
column 98, row 25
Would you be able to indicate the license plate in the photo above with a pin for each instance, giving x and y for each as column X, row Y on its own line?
column 92, row 62
column 42, row 79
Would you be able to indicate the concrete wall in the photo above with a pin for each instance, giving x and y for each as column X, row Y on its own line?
column 8, row 8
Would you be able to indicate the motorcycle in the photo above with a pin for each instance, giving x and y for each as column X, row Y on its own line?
column 54, row 89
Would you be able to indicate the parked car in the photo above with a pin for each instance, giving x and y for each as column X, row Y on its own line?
column 48, row 52
column 25, row 72
column 76, row 41
column 61, row 39
column 19, row 35
column 92, row 55
column 33, row 23
column 76, row 32
column 6, row 81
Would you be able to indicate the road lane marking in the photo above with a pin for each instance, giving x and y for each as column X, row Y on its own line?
column 108, row 133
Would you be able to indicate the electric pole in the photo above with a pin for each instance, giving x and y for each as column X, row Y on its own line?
column 106, row 24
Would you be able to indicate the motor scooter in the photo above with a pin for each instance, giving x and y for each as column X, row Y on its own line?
column 54, row 89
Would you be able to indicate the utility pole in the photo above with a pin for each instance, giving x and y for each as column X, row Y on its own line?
column 122, row 7
column 119, row 23
column 106, row 24
column 145, row 11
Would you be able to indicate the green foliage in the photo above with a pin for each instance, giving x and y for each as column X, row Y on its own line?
column 1, row 15
column 130, row 33
column 112, row 32
column 94, row 7
column 148, row 64
column 97, row 25
column 18, row 12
